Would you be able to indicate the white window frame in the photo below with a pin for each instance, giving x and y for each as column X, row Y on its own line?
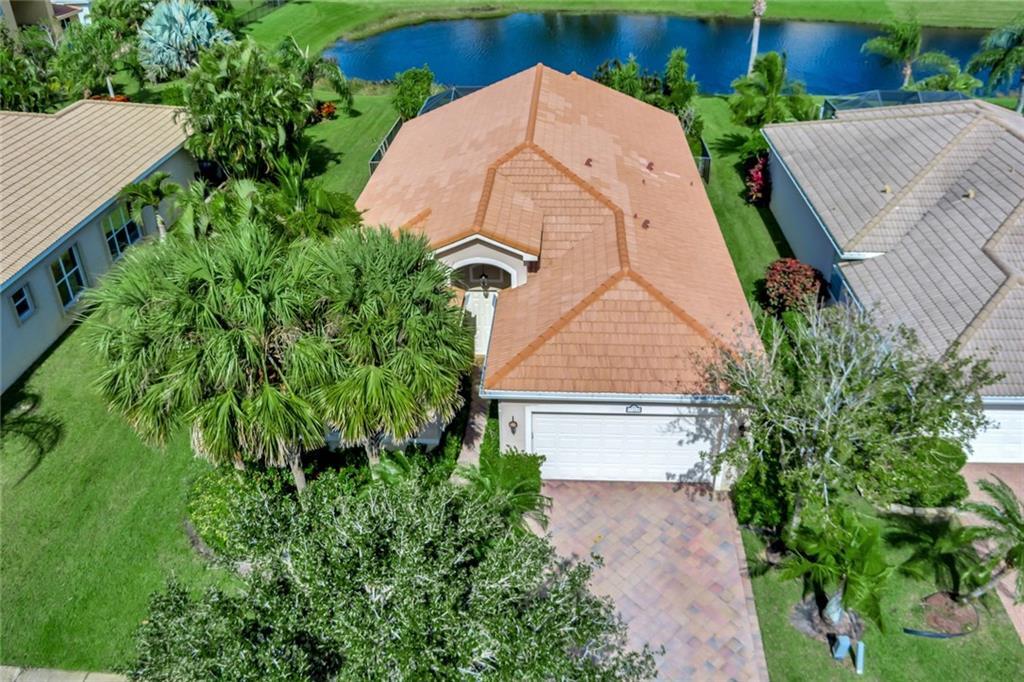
column 117, row 224
column 66, row 275
column 26, row 294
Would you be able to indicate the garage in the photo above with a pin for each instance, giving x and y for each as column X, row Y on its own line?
column 621, row 447
column 1003, row 441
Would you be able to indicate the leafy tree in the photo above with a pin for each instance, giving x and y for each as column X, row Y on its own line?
column 841, row 562
column 405, row 347
column 412, row 87
column 839, row 405
column 313, row 67
column 1004, row 519
column 171, row 39
column 1002, row 52
column 628, row 78
column 150, row 193
column 391, row 579
column 900, row 43
column 129, row 14
column 767, row 96
column 25, row 80
column 88, row 56
column 757, row 9
column 949, row 79
column 679, row 87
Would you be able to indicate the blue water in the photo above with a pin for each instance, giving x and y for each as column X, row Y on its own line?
column 825, row 56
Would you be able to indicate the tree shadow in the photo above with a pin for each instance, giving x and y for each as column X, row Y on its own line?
column 24, row 424
column 319, row 156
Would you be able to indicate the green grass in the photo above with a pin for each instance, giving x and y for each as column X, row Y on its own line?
column 993, row 652
column 318, row 23
column 91, row 525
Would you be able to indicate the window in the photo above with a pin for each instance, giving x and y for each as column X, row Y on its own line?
column 481, row 275
column 22, row 302
column 68, row 276
column 121, row 232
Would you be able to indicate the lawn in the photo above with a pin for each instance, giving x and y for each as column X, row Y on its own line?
column 318, row 23
column 993, row 652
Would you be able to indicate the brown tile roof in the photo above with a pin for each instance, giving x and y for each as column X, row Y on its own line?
column 57, row 169
column 951, row 226
column 634, row 278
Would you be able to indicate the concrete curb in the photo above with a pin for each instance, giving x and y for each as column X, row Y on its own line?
column 10, row 673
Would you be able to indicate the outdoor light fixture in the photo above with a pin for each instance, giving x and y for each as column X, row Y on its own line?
column 513, row 425
column 483, row 283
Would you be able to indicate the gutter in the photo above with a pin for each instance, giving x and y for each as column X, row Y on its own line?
column 1000, row 401
column 82, row 223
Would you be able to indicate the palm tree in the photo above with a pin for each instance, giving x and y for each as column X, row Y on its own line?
column 1005, row 529
column 304, row 207
column 313, row 67
column 758, row 8
column 950, row 78
column 217, row 335
column 766, row 96
column 1002, row 52
column 150, row 192
column 900, row 43
column 405, row 347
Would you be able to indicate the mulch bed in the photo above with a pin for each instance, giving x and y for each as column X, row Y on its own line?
column 944, row 614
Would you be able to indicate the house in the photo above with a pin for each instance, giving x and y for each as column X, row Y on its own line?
column 61, row 225
column 51, row 16
column 918, row 211
column 83, row 7
column 576, row 220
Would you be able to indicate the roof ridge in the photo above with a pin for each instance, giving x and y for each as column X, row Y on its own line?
column 558, row 325
column 531, row 121
column 869, row 227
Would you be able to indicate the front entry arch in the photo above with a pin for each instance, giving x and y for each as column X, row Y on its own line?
column 482, row 279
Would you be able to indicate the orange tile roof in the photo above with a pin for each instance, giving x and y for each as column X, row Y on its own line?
column 635, row 279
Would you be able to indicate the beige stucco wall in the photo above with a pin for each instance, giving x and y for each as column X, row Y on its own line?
column 21, row 343
column 482, row 252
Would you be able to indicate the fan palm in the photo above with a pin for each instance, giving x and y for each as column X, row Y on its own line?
column 171, row 39
column 1002, row 53
column 405, row 346
column 900, row 43
column 767, row 96
column 150, row 192
column 223, row 342
column 758, row 8
column 1004, row 528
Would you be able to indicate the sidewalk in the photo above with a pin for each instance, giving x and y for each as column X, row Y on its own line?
column 9, row 673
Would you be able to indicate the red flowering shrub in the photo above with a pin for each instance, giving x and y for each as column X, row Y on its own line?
column 788, row 283
column 115, row 98
column 758, row 185
column 323, row 110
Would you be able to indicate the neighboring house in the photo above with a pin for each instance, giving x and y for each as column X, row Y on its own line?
column 82, row 6
column 61, row 225
column 576, row 221
column 918, row 211
column 51, row 16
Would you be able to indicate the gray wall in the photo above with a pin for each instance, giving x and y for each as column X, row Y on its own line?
column 21, row 343
column 805, row 235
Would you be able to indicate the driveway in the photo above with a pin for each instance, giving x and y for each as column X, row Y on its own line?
column 675, row 568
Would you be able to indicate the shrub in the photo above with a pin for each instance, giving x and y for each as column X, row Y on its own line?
column 171, row 39
column 412, row 87
column 490, row 442
column 941, row 487
column 788, row 283
column 322, row 111
column 758, row 183
column 760, row 499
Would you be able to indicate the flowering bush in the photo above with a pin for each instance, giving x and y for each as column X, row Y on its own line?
column 788, row 283
column 108, row 98
column 323, row 110
column 758, row 185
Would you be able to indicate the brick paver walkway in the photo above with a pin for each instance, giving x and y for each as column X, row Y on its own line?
column 674, row 566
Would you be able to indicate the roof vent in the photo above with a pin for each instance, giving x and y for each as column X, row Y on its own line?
column 650, row 165
column 589, row 162
column 970, row 194
column 886, row 189
column 646, row 224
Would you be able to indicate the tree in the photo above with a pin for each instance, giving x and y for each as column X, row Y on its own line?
column 220, row 342
column 171, row 39
column 304, row 207
column 836, row 404
column 767, row 96
column 757, row 9
column 405, row 347
column 412, row 87
column 150, row 192
column 87, row 57
column 245, row 107
column 680, row 88
column 313, row 67
column 129, row 14
column 1002, row 53
column 949, row 79
column 1004, row 519
column 25, row 80
column 900, row 43
column 390, row 579
column 629, row 79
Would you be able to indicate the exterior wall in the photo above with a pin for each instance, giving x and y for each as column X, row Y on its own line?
column 805, row 235
column 28, row 12
column 22, row 343
column 717, row 430
column 481, row 252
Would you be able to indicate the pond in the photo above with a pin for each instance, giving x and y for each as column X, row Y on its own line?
column 826, row 56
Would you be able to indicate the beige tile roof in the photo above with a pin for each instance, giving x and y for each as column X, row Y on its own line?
column 951, row 226
column 57, row 169
column 635, row 279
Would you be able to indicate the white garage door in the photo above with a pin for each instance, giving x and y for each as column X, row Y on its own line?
column 618, row 447
column 1003, row 441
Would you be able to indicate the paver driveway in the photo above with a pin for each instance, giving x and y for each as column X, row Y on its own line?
column 673, row 564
